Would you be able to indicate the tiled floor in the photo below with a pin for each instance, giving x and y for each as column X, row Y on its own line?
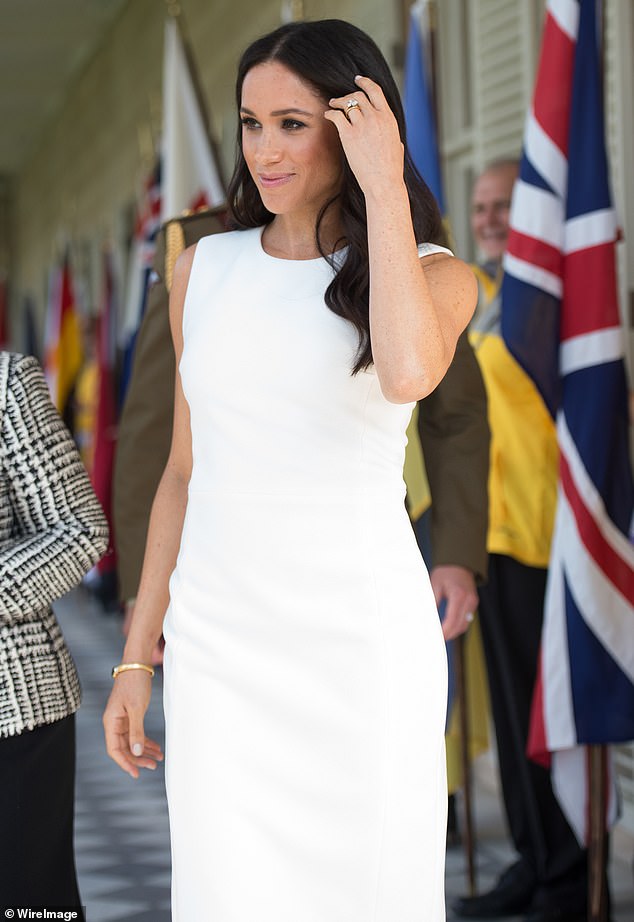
column 121, row 828
column 122, row 843
column 494, row 852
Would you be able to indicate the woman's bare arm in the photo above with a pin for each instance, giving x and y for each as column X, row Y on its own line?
column 123, row 718
column 418, row 308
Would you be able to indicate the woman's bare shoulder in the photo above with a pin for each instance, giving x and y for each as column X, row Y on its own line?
column 183, row 266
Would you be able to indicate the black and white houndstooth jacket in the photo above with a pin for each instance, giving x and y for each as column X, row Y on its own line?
column 52, row 531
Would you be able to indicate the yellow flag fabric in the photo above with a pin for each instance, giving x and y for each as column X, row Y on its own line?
column 69, row 358
column 477, row 710
column 86, row 391
column 64, row 354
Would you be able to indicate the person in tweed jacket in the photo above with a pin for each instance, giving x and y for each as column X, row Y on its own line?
column 52, row 531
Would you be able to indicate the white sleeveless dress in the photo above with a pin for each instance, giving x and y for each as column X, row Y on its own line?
column 305, row 670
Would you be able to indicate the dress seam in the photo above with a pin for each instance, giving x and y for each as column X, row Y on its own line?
column 385, row 722
column 384, row 674
column 440, row 906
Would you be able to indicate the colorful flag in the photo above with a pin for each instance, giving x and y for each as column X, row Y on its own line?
column 560, row 319
column 29, row 328
column 418, row 102
column 139, row 271
column 191, row 178
column 63, row 353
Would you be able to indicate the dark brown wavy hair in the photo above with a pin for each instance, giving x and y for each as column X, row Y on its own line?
column 328, row 54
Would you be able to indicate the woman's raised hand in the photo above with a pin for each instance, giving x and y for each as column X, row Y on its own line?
column 126, row 741
column 369, row 136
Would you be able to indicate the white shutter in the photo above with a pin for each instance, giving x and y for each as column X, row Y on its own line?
column 487, row 51
column 504, row 67
column 455, row 96
column 624, row 765
column 618, row 48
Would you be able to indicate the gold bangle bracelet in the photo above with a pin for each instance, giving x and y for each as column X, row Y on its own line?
column 125, row 667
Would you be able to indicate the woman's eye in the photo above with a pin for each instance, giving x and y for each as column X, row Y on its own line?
column 248, row 123
column 291, row 124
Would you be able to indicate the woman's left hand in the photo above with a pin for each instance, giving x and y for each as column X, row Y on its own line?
column 369, row 136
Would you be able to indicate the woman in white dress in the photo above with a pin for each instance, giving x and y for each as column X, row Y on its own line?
column 305, row 672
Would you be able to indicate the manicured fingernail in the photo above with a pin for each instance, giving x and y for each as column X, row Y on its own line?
column 137, row 749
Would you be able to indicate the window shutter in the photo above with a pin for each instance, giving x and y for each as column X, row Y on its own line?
column 504, row 49
column 487, row 56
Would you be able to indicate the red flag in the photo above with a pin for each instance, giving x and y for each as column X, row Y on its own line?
column 63, row 353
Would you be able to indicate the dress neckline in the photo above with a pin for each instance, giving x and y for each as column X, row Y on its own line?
column 287, row 260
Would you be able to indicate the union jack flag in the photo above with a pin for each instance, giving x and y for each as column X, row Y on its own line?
column 560, row 319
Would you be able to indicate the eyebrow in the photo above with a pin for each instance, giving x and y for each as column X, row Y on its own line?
column 279, row 112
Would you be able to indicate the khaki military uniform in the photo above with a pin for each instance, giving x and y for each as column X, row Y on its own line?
column 145, row 427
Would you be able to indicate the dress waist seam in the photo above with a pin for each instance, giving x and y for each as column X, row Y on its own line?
column 390, row 495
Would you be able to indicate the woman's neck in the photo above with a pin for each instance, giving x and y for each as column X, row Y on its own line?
column 292, row 237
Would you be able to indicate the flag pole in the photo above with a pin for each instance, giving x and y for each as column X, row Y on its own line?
column 461, row 691
column 597, row 849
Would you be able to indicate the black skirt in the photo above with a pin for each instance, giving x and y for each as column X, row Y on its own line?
column 37, row 794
